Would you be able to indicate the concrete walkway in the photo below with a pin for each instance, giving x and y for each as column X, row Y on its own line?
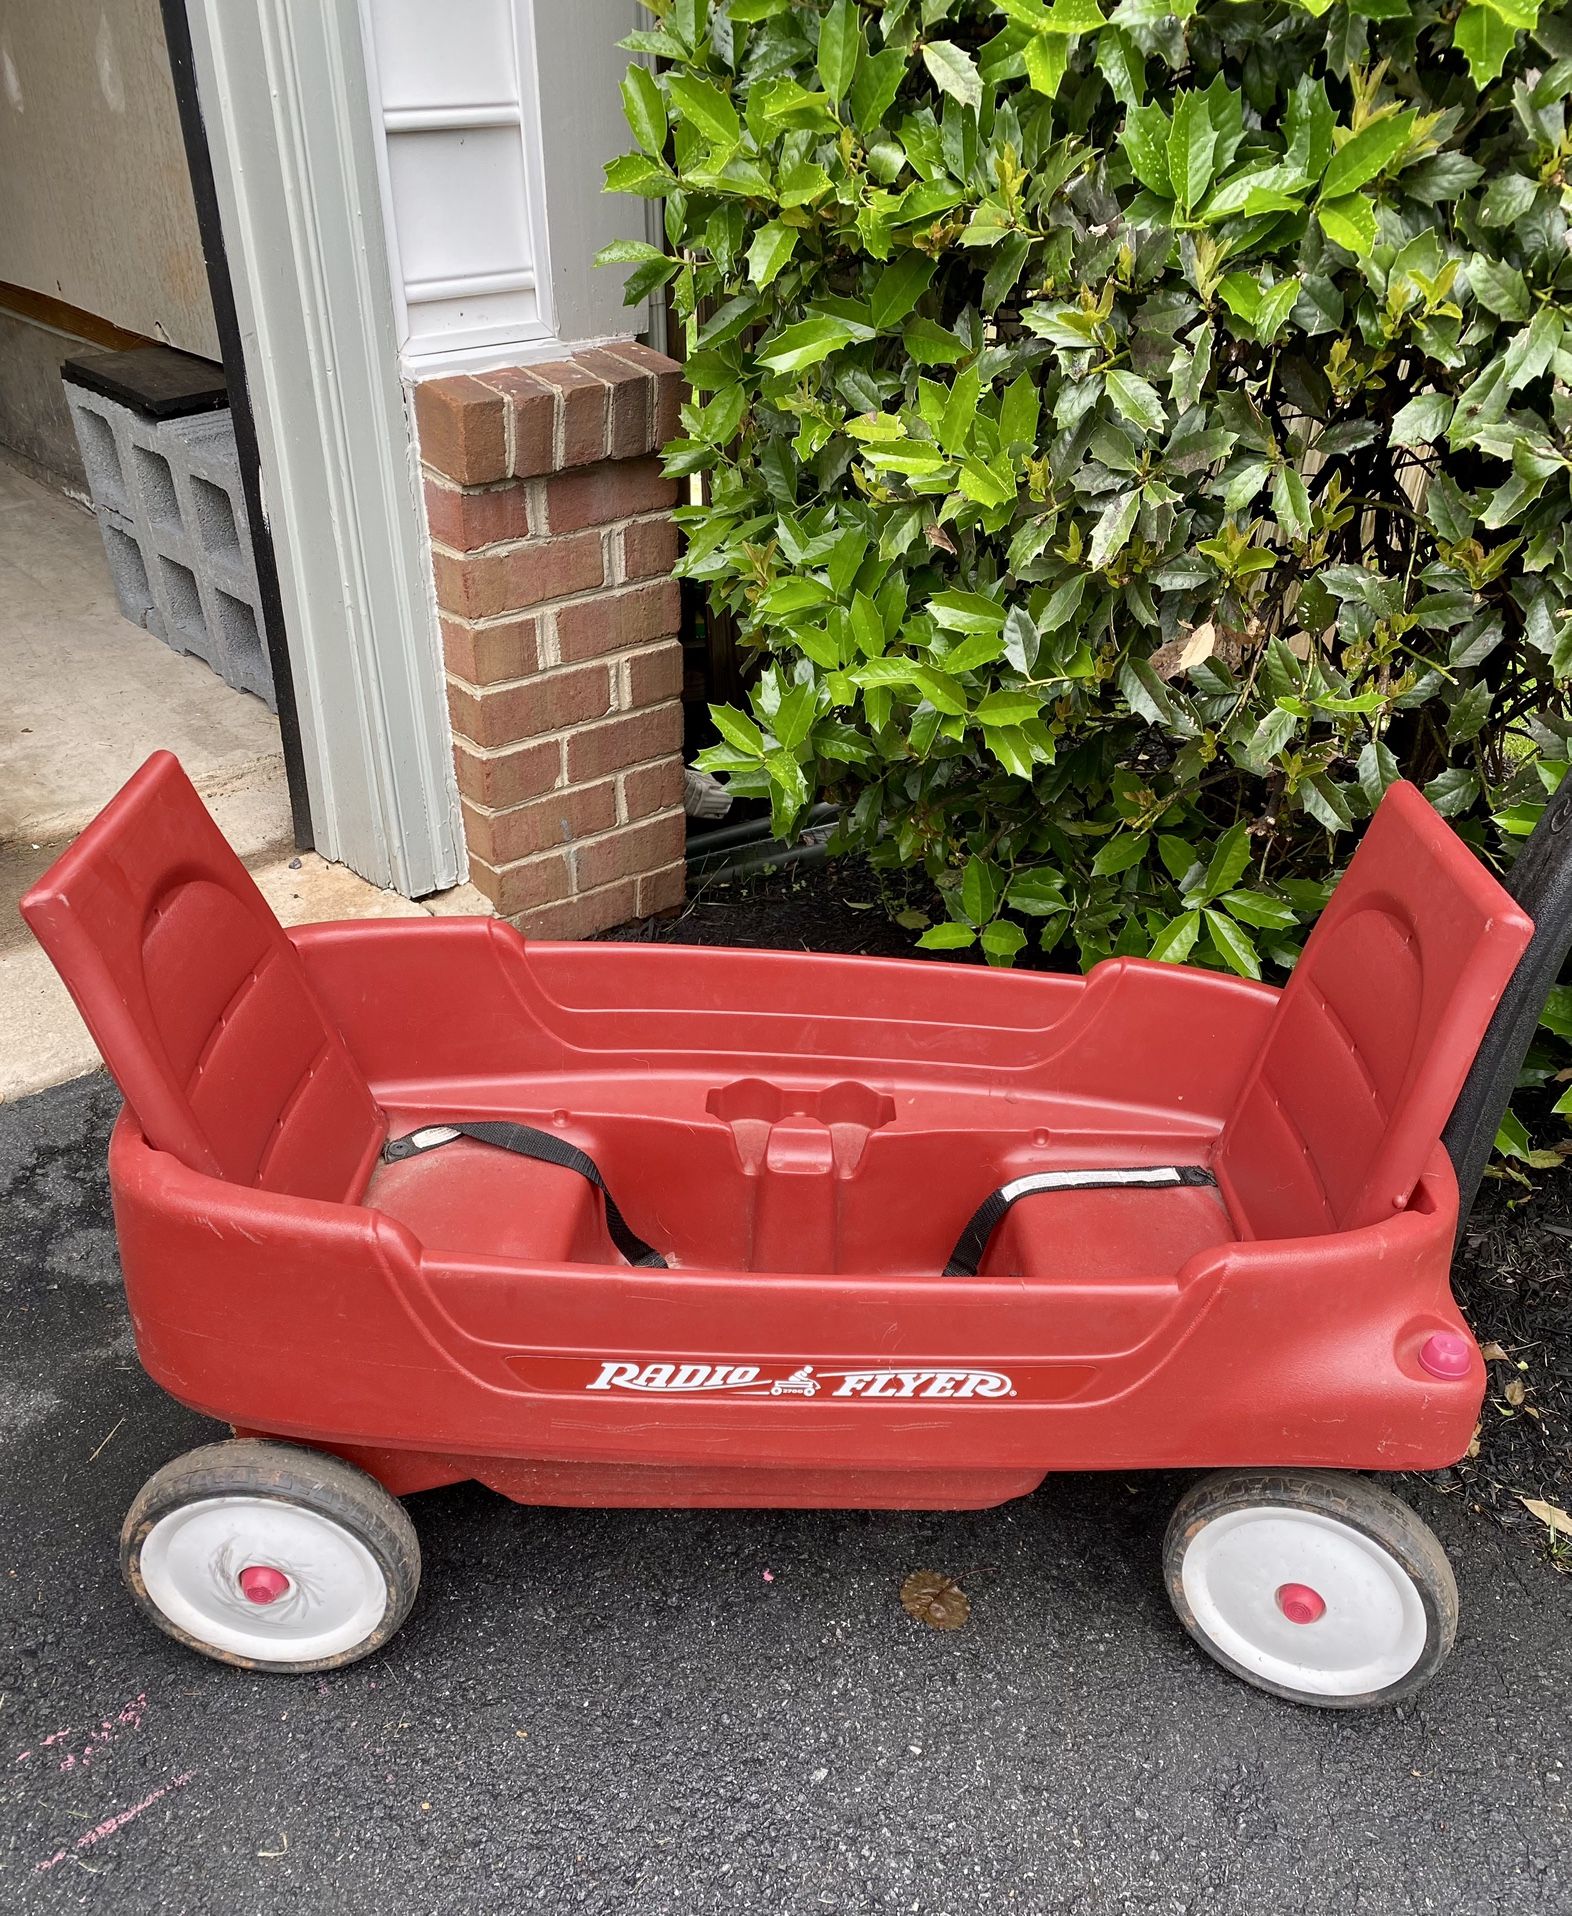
column 85, row 696
column 652, row 1713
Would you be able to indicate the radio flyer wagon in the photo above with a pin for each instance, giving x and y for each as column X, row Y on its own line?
column 408, row 1203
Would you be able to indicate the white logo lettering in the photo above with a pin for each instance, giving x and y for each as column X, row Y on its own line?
column 920, row 1381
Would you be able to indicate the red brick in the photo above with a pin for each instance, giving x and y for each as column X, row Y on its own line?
column 651, row 788
column 482, row 584
column 662, row 890
column 460, row 426
column 614, row 489
column 580, row 917
column 628, row 397
column 613, row 621
column 581, row 411
column 654, row 675
column 465, row 518
column 601, row 749
column 649, row 548
column 666, row 400
column 503, row 837
column 490, row 654
column 628, row 852
column 549, row 703
column 533, row 412
column 521, row 887
column 508, row 777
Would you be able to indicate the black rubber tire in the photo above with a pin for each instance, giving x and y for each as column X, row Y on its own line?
column 290, row 1474
column 1355, row 1501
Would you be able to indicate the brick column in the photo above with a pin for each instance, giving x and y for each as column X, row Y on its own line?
column 552, row 544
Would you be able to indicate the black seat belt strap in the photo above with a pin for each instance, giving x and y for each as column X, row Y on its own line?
column 524, row 1141
column 990, row 1214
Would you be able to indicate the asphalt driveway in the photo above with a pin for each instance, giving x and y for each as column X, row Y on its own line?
column 649, row 1712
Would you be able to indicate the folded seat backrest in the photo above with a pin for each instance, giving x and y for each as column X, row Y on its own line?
column 198, row 1001
column 1374, row 1035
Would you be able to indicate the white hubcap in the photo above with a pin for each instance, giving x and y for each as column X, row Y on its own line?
column 1370, row 1635
column 333, row 1598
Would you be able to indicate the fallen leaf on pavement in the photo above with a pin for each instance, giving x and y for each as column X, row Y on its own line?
column 935, row 1600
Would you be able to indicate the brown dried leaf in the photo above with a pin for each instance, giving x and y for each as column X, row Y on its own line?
column 935, row 1599
column 1552, row 1516
column 1178, row 655
column 1492, row 1353
column 1514, row 1392
column 936, row 535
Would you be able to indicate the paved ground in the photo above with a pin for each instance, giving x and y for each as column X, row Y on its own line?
column 63, row 759
column 623, row 1713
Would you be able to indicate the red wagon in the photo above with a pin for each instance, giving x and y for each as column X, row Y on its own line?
column 413, row 1202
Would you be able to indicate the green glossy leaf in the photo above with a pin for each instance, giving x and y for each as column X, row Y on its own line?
column 1006, row 708
column 1484, row 39
column 1349, row 222
column 1174, row 943
column 771, row 248
column 738, row 730
column 1232, row 944
column 1047, row 60
column 982, row 886
column 1291, row 504
column 1136, row 399
column 966, row 612
column 953, row 71
column 1499, row 288
column 899, row 288
column 873, row 91
column 804, row 344
column 1368, row 153
column 1112, row 532
column 1228, row 861
column 1002, row 940
column 1423, row 421
column 840, row 44
column 1325, row 803
column 644, row 107
column 705, row 108
column 1146, row 148
column 1119, row 855
column 1260, row 909
column 793, row 717
column 1192, row 146
column 951, row 937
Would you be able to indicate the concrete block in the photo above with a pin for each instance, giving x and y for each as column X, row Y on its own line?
column 128, row 571
column 168, row 494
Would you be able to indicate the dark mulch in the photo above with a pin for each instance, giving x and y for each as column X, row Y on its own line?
column 1513, row 1275
column 1513, row 1278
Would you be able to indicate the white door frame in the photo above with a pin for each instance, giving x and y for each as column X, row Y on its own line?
column 283, row 92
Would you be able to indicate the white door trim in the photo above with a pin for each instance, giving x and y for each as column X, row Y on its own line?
column 285, row 105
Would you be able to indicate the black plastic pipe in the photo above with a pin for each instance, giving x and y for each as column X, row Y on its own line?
column 1541, row 882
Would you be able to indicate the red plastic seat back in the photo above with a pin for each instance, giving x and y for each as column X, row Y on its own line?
column 198, row 1001
column 1375, row 1033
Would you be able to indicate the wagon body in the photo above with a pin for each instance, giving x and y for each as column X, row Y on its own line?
column 1221, row 1233
column 805, row 1137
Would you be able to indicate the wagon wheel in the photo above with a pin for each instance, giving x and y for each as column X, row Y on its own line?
column 1314, row 1584
column 270, row 1557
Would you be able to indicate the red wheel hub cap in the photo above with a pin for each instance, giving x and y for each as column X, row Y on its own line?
column 1299, row 1603
column 261, row 1583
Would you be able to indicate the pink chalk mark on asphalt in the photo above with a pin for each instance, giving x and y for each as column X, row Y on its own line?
column 129, row 1717
column 58, row 1735
column 112, row 1825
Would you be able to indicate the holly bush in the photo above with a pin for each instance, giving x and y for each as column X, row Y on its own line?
column 1128, row 438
